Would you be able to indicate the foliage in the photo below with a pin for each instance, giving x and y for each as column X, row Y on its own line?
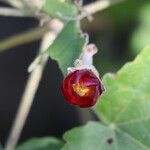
column 67, row 46
column 123, row 109
column 59, row 9
column 46, row 143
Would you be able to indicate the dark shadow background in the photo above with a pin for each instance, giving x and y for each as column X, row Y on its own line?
column 50, row 115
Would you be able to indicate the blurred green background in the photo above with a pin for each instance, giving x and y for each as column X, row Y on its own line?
column 120, row 32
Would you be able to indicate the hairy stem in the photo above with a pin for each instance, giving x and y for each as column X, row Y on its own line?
column 5, row 11
column 30, row 91
column 38, row 32
column 25, row 105
column 26, row 37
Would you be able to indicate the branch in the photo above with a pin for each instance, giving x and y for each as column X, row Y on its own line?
column 37, row 33
column 5, row 11
column 25, row 105
column 26, row 37
column 30, row 90
column 88, row 9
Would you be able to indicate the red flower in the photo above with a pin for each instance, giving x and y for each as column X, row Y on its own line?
column 82, row 88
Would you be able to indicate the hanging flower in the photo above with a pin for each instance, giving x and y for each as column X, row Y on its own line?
column 82, row 86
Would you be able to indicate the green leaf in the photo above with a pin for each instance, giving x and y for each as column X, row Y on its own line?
column 59, row 9
column 67, row 46
column 126, row 103
column 46, row 143
column 92, row 136
column 124, row 110
column 95, row 136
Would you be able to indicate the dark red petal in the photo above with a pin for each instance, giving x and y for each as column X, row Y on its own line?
column 89, row 88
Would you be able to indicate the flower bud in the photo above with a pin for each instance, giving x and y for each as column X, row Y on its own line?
column 82, row 88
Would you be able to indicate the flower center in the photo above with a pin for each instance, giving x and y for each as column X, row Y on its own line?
column 81, row 89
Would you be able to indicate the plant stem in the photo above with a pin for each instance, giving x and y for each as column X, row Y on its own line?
column 5, row 11
column 26, row 37
column 88, row 9
column 38, row 32
column 25, row 105
column 30, row 91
